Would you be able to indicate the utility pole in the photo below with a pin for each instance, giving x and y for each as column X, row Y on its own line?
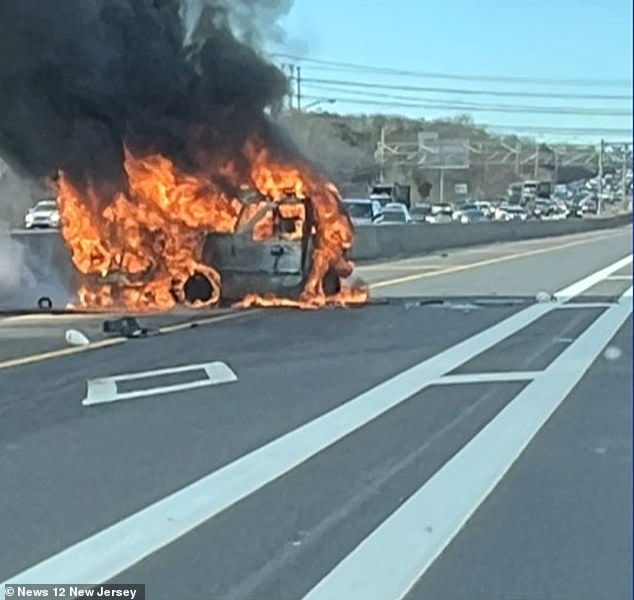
column 600, row 199
column 536, row 175
column 442, row 185
column 381, row 154
column 286, row 69
column 291, row 90
column 299, row 88
column 623, row 177
column 518, row 156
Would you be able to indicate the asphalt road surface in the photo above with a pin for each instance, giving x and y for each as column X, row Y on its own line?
column 466, row 435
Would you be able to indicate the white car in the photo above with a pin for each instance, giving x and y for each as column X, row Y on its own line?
column 44, row 214
column 363, row 211
column 395, row 213
column 510, row 212
column 461, row 208
column 441, row 208
column 485, row 207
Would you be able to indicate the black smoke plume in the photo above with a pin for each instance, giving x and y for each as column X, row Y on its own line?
column 79, row 78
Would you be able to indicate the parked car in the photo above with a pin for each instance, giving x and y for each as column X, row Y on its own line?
column 45, row 214
column 395, row 213
column 363, row 211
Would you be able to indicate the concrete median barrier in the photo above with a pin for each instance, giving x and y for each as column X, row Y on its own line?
column 45, row 269
column 396, row 241
column 46, row 258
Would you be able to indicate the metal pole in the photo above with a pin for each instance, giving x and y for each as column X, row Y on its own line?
column 599, row 199
column 442, row 184
column 518, row 154
column 381, row 154
column 291, row 91
column 537, row 161
column 623, row 177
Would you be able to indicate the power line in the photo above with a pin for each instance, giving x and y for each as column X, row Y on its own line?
column 466, row 92
column 598, row 131
column 449, row 76
column 411, row 102
column 519, row 129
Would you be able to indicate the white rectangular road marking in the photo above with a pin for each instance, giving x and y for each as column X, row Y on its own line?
column 104, row 390
column 103, row 555
column 422, row 528
column 492, row 377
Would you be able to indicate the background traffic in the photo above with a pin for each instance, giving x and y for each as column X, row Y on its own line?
column 390, row 203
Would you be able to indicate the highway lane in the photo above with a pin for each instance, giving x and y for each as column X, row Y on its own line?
column 517, row 268
column 73, row 470
column 492, row 270
column 559, row 525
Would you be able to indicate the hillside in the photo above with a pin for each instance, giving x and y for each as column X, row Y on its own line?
column 345, row 147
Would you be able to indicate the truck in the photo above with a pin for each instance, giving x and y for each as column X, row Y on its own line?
column 529, row 191
column 389, row 193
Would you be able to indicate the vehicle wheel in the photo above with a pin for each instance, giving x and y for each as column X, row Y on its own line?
column 331, row 283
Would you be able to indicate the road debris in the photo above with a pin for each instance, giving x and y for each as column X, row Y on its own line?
column 74, row 337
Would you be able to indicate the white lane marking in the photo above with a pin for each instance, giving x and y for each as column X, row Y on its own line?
column 49, row 318
column 104, row 389
column 379, row 267
column 482, row 263
column 586, row 305
column 116, row 548
column 422, row 528
column 492, row 377
column 581, row 286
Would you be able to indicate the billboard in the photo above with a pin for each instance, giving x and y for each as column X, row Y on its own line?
column 444, row 154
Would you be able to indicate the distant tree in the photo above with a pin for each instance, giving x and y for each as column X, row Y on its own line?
column 423, row 185
column 466, row 120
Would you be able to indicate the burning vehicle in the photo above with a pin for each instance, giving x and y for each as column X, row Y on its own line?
column 174, row 239
column 270, row 251
column 174, row 185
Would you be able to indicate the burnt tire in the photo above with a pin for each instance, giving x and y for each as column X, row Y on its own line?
column 331, row 283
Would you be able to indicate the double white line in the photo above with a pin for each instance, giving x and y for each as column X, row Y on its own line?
column 475, row 469
column 423, row 527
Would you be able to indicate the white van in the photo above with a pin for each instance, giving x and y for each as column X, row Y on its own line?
column 363, row 211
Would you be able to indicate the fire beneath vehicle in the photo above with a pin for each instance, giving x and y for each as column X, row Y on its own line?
column 144, row 250
column 345, row 297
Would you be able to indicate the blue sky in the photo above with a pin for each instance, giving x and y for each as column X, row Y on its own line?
column 589, row 40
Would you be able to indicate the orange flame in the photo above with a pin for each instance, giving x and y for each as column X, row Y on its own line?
column 142, row 249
